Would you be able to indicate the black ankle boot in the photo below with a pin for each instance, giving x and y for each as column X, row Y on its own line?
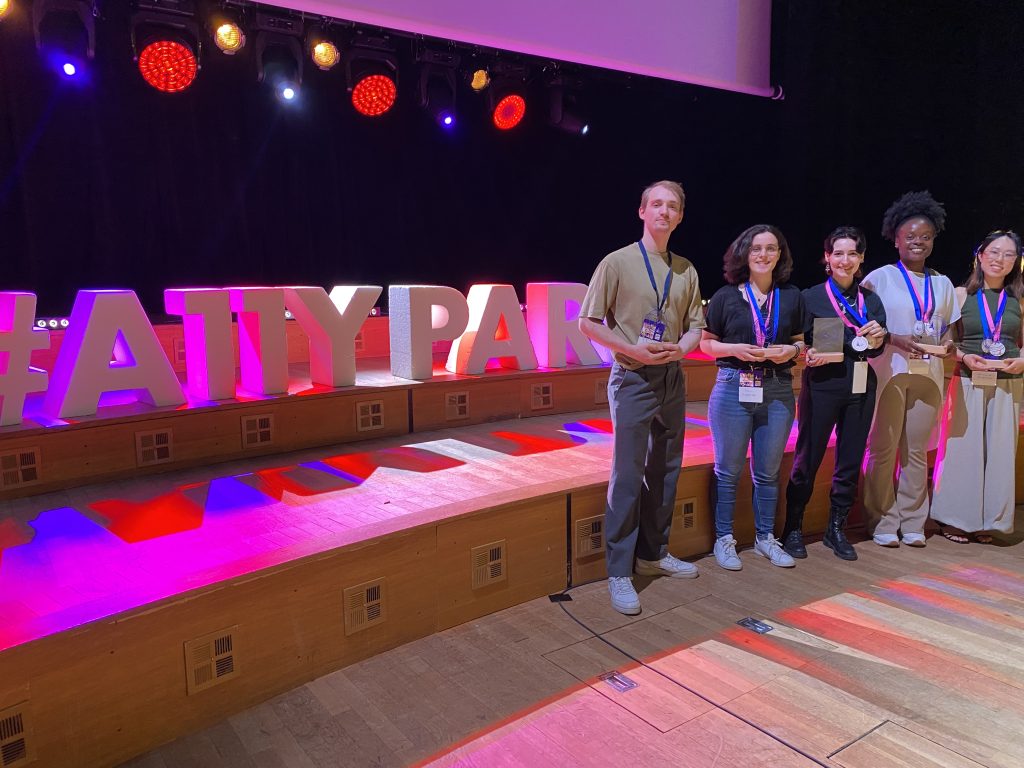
column 835, row 538
column 792, row 535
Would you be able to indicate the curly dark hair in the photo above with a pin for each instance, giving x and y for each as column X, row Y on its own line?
column 848, row 233
column 907, row 207
column 1014, row 281
column 736, row 261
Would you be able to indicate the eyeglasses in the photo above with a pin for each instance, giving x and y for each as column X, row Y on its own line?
column 999, row 254
column 757, row 250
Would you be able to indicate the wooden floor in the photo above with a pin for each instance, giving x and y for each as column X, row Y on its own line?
column 904, row 658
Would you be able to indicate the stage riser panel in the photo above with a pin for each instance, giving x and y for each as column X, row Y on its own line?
column 97, row 452
column 509, row 398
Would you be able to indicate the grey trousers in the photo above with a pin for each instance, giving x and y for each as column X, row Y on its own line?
column 648, row 408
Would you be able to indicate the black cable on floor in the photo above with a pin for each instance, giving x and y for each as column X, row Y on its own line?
column 682, row 685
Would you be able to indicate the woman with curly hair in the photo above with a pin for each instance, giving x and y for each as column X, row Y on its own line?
column 755, row 331
column 920, row 308
column 974, row 474
column 837, row 395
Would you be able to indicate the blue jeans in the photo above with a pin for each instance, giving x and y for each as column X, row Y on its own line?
column 764, row 427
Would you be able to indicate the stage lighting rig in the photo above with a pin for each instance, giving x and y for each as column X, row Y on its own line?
column 278, row 52
column 507, row 94
column 65, row 33
column 563, row 104
column 371, row 71
column 322, row 49
column 437, row 83
column 166, row 43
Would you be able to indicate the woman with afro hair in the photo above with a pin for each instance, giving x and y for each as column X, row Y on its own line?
column 920, row 309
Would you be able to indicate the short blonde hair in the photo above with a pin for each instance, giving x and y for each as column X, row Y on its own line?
column 672, row 186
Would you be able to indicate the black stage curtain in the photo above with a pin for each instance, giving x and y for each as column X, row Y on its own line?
column 113, row 184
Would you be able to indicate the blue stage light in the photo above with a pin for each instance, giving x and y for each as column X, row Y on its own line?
column 447, row 119
column 69, row 69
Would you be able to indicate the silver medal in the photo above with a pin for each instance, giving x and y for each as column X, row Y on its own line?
column 929, row 329
column 919, row 328
column 859, row 344
column 997, row 349
column 986, row 345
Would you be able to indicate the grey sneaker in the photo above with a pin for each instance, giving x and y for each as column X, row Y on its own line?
column 667, row 566
column 624, row 597
column 772, row 549
column 725, row 553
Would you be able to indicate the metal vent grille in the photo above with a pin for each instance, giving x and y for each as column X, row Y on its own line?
column 541, row 396
column 210, row 660
column 153, row 447
column 688, row 507
column 369, row 415
column 601, row 392
column 179, row 351
column 589, row 536
column 257, row 430
column 488, row 564
column 16, row 746
column 456, row 406
column 365, row 605
column 19, row 468
column 358, row 343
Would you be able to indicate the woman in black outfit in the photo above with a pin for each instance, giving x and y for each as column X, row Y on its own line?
column 839, row 395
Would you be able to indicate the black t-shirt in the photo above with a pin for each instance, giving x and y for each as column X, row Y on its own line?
column 817, row 304
column 729, row 319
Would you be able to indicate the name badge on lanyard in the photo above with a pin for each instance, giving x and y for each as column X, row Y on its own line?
column 752, row 386
column 653, row 327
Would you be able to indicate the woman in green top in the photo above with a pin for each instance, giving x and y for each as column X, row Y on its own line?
column 975, row 469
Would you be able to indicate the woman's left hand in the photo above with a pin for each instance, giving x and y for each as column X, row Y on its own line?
column 1014, row 365
column 781, row 353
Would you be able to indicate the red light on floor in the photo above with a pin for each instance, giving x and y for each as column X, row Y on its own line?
column 509, row 112
column 168, row 66
column 374, row 95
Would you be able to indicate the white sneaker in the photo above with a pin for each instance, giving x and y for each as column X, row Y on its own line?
column 725, row 553
column 624, row 597
column 914, row 539
column 772, row 549
column 667, row 566
column 886, row 539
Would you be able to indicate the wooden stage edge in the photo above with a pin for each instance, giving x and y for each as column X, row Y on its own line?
column 109, row 689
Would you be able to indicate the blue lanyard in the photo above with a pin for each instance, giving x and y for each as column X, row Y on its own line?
column 920, row 313
column 769, row 331
column 990, row 330
column 650, row 273
column 846, row 305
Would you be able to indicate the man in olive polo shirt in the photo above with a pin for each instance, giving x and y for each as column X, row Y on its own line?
column 643, row 303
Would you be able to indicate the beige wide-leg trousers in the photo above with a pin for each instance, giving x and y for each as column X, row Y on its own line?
column 905, row 415
column 975, row 472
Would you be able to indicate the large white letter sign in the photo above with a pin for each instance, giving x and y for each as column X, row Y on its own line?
column 554, row 327
column 262, row 343
column 209, row 349
column 419, row 315
column 18, row 339
column 331, row 323
column 106, row 323
column 490, row 307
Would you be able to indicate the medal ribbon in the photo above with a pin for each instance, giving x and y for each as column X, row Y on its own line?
column 922, row 310
column 764, row 333
column 860, row 315
column 650, row 273
column 991, row 328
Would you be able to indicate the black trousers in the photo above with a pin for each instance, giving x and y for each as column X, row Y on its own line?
column 819, row 410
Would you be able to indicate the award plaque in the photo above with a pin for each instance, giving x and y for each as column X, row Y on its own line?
column 829, row 334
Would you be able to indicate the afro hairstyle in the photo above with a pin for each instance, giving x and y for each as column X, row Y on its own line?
column 907, row 207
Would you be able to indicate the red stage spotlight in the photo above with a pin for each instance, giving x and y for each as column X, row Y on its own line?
column 509, row 112
column 374, row 95
column 168, row 65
